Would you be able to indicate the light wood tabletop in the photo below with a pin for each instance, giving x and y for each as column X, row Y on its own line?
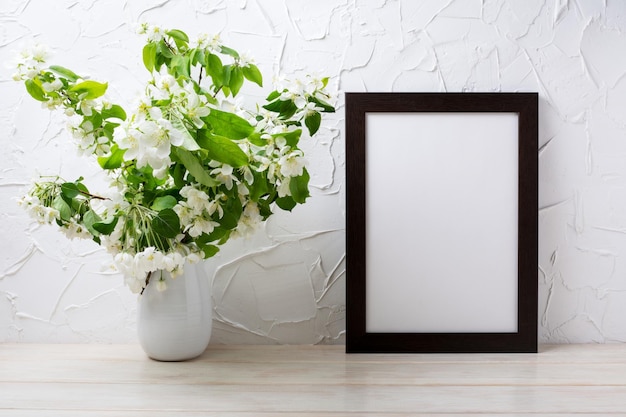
column 260, row 381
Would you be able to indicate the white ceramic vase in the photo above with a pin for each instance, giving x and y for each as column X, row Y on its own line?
column 175, row 324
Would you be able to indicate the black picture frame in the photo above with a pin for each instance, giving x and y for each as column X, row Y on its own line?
column 360, row 107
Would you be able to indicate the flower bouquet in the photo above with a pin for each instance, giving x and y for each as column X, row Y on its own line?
column 189, row 169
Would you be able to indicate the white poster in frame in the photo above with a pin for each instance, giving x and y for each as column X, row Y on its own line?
column 441, row 222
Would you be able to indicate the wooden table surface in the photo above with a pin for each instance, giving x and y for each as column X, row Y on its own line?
column 260, row 381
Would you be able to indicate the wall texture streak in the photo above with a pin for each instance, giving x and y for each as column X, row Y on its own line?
column 287, row 283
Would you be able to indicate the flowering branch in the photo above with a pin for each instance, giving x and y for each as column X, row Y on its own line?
column 188, row 169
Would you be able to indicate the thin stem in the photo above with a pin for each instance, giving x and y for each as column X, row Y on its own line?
column 147, row 282
column 169, row 47
column 97, row 197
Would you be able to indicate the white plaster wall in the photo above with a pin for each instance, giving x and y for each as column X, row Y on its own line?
column 287, row 284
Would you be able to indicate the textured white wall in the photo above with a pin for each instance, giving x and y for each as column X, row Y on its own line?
column 287, row 284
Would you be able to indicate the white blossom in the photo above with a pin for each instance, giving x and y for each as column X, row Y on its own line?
column 292, row 164
column 247, row 174
column 148, row 140
column 201, row 225
column 154, row 33
column 148, row 261
column 113, row 242
column 249, row 221
column 161, row 285
column 163, row 85
column 185, row 212
column 283, row 187
column 52, row 86
column 215, row 205
column 193, row 258
column 86, row 142
column 193, row 106
column 196, row 211
column 39, row 212
column 268, row 120
column 86, row 107
column 235, row 105
column 31, row 61
column 212, row 43
column 308, row 109
column 224, row 174
column 197, row 200
column 74, row 230
column 245, row 60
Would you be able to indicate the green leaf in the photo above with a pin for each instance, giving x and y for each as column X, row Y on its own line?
column 81, row 186
column 224, row 238
column 113, row 161
column 209, row 250
column 90, row 89
column 95, row 119
column 105, row 227
column 324, row 105
column 228, row 124
column 273, row 96
column 160, row 60
column 232, row 213
column 230, row 220
column 64, row 72
column 164, row 50
column 252, row 73
column 180, row 66
column 286, row 203
column 189, row 142
column 69, row 190
column 226, row 71
column 229, row 51
column 89, row 219
column 149, row 55
column 179, row 37
column 299, row 187
column 264, row 208
column 108, row 128
column 164, row 202
column 195, row 167
column 216, row 234
column 166, row 223
column 292, row 137
column 276, row 105
column 65, row 212
column 114, row 111
column 223, row 149
column 236, row 80
column 215, row 68
column 35, row 90
column 256, row 139
column 312, row 122
column 177, row 171
column 197, row 56
column 285, row 108
column 259, row 186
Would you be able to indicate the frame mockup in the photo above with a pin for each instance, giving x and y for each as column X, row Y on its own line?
column 441, row 245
